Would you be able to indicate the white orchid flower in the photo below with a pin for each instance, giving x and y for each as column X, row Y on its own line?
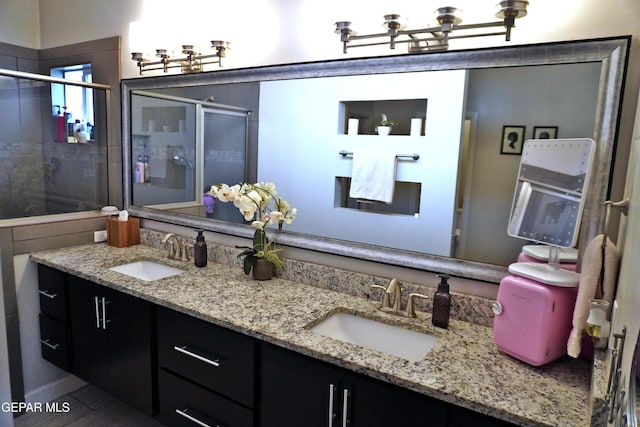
column 290, row 216
column 228, row 194
column 276, row 217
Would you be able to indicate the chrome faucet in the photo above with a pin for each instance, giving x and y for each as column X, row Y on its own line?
column 394, row 288
column 177, row 249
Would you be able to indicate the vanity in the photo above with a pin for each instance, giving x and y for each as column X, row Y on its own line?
column 214, row 338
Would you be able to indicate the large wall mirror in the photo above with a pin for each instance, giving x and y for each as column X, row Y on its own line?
column 289, row 124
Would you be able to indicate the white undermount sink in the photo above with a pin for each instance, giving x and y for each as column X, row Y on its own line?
column 389, row 339
column 147, row 270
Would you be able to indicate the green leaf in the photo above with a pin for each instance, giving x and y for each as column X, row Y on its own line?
column 248, row 263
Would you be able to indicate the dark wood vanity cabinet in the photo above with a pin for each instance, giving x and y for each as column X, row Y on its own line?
column 206, row 373
column 112, row 342
column 192, row 372
column 55, row 334
column 297, row 390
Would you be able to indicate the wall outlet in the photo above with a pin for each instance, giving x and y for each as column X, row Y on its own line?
column 100, row 236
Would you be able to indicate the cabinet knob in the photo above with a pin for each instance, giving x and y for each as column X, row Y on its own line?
column 496, row 307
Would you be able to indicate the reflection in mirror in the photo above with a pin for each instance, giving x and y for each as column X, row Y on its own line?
column 179, row 145
column 300, row 135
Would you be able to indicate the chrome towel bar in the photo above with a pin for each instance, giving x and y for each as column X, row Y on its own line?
column 414, row 156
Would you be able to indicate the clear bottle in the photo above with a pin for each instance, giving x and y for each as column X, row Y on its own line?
column 140, row 169
column 200, row 250
column 441, row 303
column 147, row 172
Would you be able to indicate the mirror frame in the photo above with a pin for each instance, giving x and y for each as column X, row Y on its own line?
column 611, row 52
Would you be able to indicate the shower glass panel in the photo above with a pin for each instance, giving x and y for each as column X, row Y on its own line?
column 46, row 168
column 225, row 156
column 163, row 151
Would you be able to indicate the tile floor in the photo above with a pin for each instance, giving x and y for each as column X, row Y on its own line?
column 89, row 406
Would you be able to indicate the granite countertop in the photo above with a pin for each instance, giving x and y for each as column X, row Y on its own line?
column 464, row 368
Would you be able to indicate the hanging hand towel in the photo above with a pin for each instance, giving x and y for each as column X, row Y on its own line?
column 594, row 265
column 373, row 177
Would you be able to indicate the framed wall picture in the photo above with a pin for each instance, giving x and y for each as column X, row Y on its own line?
column 512, row 139
column 545, row 132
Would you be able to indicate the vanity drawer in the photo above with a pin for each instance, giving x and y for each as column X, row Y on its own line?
column 54, row 342
column 182, row 403
column 52, row 289
column 216, row 358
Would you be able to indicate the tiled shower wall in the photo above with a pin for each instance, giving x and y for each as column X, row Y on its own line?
column 22, row 143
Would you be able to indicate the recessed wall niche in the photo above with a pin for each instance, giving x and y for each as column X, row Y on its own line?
column 406, row 198
column 369, row 114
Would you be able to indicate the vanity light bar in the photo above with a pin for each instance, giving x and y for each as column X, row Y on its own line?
column 440, row 35
column 193, row 62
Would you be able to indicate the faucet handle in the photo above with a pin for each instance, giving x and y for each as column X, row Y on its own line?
column 185, row 251
column 172, row 249
column 384, row 301
column 410, row 310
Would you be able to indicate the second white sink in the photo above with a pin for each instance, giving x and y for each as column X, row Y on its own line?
column 147, row 270
column 389, row 339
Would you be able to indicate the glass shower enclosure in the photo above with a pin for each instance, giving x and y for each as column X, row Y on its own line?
column 46, row 168
column 182, row 146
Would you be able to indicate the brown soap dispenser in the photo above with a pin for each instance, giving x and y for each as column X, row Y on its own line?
column 441, row 303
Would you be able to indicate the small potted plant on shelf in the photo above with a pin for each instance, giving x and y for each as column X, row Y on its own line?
column 385, row 125
column 258, row 203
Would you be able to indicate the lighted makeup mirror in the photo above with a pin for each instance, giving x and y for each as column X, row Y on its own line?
column 549, row 201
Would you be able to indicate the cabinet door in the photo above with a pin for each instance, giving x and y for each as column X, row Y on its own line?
column 89, row 339
column 214, row 357
column 111, row 336
column 460, row 417
column 54, row 342
column 371, row 403
column 52, row 289
column 128, row 348
column 183, row 403
column 297, row 391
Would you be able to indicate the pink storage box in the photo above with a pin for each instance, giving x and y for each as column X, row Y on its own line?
column 534, row 319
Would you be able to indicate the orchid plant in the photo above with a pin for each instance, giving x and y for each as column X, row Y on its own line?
column 384, row 121
column 259, row 204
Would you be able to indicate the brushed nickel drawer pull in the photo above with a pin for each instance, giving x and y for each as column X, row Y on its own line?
column 47, row 294
column 191, row 418
column 345, row 407
column 332, row 389
column 95, row 299
column 184, row 350
column 48, row 344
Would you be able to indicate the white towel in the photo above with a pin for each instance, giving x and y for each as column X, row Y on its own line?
column 373, row 177
column 593, row 266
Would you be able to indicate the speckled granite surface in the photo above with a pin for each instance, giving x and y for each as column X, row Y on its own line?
column 468, row 308
column 464, row 367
